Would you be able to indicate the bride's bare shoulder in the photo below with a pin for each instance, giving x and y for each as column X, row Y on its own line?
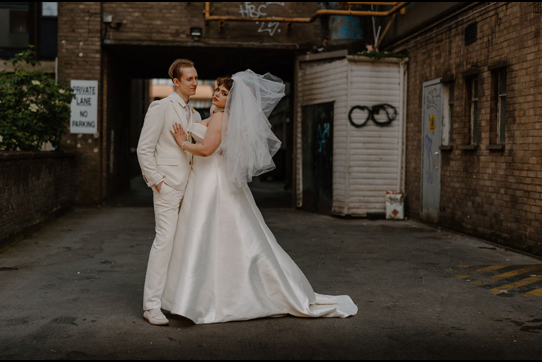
column 216, row 118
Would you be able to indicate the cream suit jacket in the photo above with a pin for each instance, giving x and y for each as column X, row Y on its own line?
column 160, row 158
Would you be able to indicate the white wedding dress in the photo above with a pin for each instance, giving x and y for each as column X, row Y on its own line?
column 226, row 265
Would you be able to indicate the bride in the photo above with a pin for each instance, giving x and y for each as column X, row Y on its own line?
column 226, row 265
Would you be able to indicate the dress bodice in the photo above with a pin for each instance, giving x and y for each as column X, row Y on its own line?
column 198, row 132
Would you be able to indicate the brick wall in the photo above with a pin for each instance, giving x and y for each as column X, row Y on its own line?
column 493, row 194
column 152, row 35
column 79, row 57
column 33, row 186
column 157, row 23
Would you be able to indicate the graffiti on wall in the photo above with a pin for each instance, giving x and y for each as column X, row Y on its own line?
column 258, row 10
column 322, row 137
column 433, row 99
column 432, row 103
column 388, row 109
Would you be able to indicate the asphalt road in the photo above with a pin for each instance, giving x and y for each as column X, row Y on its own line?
column 74, row 290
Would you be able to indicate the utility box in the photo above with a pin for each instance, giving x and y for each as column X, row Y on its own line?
column 349, row 132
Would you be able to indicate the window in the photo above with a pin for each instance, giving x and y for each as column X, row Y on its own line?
column 501, row 106
column 18, row 22
column 14, row 27
column 448, row 115
column 25, row 23
column 48, row 31
column 471, row 33
column 472, row 94
column 497, row 122
column 49, row 9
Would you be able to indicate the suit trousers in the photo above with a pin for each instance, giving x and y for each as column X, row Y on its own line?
column 167, row 203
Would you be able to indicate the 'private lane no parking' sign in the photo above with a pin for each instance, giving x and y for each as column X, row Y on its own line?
column 84, row 107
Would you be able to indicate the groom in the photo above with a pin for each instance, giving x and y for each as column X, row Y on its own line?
column 166, row 168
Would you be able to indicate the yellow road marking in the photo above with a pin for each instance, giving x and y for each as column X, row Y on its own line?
column 492, row 268
column 463, row 266
column 517, row 272
column 535, row 293
column 518, row 284
column 463, row 276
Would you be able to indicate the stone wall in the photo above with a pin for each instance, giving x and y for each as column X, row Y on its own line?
column 33, row 187
column 493, row 192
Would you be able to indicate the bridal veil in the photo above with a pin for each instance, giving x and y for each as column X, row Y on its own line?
column 248, row 142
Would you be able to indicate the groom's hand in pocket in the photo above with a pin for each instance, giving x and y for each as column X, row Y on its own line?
column 159, row 186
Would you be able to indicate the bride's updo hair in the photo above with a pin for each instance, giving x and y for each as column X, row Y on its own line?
column 225, row 81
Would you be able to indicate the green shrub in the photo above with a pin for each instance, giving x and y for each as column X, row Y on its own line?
column 33, row 108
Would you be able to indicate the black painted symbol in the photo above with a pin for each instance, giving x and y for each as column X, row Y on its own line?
column 391, row 114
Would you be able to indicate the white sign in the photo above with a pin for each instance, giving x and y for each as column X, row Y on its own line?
column 84, row 107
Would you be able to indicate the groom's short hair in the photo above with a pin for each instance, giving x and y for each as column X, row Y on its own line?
column 176, row 69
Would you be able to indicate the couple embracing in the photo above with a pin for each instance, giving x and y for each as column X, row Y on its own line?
column 214, row 259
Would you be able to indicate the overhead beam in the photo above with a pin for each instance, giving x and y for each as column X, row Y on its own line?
column 397, row 7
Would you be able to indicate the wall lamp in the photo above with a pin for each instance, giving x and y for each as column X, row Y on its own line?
column 107, row 19
column 196, row 32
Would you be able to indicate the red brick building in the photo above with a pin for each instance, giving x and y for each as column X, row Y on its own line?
column 141, row 42
column 486, row 58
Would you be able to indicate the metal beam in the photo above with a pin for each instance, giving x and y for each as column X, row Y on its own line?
column 318, row 13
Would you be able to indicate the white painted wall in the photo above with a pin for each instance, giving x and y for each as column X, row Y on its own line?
column 367, row 161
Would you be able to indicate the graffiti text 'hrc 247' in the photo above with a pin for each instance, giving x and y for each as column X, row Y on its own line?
column 391, row 114
column 248, row 10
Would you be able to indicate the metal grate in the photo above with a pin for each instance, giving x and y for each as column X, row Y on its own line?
column 471, row 33
column 537, row 7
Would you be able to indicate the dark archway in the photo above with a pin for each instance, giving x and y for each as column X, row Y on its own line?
column 128, row 71
column 145, row 61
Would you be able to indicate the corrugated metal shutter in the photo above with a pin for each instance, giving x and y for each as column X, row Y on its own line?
column 368, row 160
column 375, row 151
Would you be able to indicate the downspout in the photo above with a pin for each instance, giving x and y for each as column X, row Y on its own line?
column 348, row 106
column 405, row 112
column 295, row 144
column 401, row 125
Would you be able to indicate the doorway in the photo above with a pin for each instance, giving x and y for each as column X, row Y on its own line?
column 431, row 142
column 317, row 141
column 129, row 74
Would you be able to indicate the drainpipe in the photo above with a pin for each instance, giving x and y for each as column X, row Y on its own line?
column 397, row 7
